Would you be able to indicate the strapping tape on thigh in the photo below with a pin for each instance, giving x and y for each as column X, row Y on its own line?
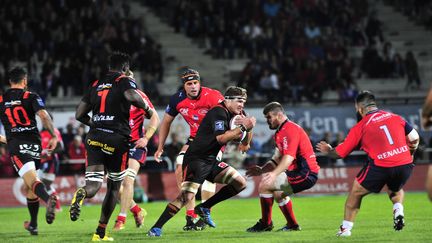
column 190, row 186
column 94, row 176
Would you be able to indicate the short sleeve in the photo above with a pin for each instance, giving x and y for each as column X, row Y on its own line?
column 37, row 103
column 219, row 121
column 350, row 143
column 127, row 83
column 171, row 108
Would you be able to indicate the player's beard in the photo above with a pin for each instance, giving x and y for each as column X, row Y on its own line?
column 359, row 116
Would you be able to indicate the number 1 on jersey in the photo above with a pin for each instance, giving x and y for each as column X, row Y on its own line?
column 387, row 133
column 103, row 94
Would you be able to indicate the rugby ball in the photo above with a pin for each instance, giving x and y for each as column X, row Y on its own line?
column 233, row 126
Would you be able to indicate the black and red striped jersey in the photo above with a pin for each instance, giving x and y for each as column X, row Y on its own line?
column 18, row 114
column 110, row 109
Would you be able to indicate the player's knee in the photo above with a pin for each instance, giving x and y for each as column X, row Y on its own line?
column 91, row 188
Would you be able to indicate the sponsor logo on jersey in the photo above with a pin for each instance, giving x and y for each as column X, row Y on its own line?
column 104, row 86
column 219, row 125
column 202, row 111
column 102, row 118
column 22, row 129
column 393, row 152
column 222, row 165
column 40, row 102
column 184, row 111
column 284, row 143
column 195, row 117
column 132, row 84
column 13, row 103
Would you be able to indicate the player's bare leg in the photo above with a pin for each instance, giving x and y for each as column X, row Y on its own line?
column 126, row 198
column 234, row 184
column 352, row 206
column 398, row 213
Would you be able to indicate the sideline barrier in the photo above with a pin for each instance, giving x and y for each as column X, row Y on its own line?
column 162, row 185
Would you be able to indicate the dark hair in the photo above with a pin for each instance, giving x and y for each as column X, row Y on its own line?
column 119, row 61
column 17, row 74
column 273, row 106
column 235, row 91
column 365, row 98
column 187, row 74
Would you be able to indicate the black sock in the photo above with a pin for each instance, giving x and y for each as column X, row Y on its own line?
column 101, row 230
column 223, row 194
column 40, row 190
column 33, row 208
column 167, row 214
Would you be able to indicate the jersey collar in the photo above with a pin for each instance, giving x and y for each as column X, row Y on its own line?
column 281, row 125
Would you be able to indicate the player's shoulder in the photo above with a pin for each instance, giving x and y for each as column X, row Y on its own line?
column 178, row 96
column 206, row 91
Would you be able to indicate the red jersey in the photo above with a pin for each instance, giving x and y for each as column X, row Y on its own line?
column 193, row 110
column 292, row 140
column 45, row 137
column 382, row 135
column 136, row 118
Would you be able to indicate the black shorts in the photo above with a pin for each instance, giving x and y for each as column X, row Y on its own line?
column 200, row 169
column 138, row 154
column 373, row 178
column 22, row 152
column 108, row 149
column 301, row 180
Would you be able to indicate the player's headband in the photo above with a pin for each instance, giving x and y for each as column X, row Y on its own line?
column 190, row 77
column 237, row 97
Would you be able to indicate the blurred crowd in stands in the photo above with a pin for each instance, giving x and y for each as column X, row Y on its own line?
column 297, row 48
column 418, row 10
column 65, row 43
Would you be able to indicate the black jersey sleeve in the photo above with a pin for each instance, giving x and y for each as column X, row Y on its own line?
column 86, row 97
column 37, row 102
column 219, row 120
column 127, row 83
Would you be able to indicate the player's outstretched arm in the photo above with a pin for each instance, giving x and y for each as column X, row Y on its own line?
column 327, row 149
column 163, row 134
column 81, row 113
column 136, row 100
column 49, row 126
column 150, row 130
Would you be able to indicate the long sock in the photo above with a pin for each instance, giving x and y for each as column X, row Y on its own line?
column 101, row 230
column 347, row 224
column 135, row 209
column 167, row 214
column 33, row 208
column 121, row 218
column 266, row 201
column 286, row 208
column 398, row 209
column 191, row 213
column 39, row 189
column 223, row 194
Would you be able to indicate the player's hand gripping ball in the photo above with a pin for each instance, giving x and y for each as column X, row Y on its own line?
column 234, row 124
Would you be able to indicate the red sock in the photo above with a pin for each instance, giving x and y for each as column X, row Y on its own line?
column 135, row 209
column 286, row 208
column 121, row 218
column 191, row 213
column 266, row 208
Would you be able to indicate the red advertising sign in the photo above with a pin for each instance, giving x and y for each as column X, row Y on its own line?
column 162, row 185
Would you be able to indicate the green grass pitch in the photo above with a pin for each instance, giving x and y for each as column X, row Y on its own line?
column 319, row 218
